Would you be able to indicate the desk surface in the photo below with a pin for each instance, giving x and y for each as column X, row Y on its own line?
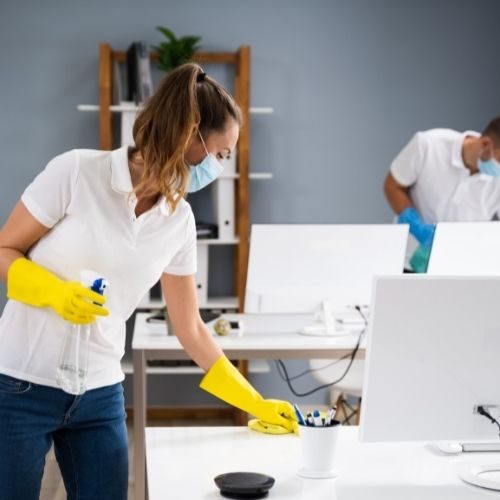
column 182, row 462
column 264, row 336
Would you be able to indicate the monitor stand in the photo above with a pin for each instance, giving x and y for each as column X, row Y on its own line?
column 326, row 327
column 329, row 325
column 475, row 474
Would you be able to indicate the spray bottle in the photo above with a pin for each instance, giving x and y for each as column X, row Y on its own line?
column 73, row 361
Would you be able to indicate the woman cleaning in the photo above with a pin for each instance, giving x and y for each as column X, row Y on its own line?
column 122, row 214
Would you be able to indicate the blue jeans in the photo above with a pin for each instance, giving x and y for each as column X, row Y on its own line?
column 88, row 432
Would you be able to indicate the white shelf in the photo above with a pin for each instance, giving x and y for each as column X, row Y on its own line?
column 118, row 108
column 257, row 176
column 217, row 241
column 254, row 366
column 261, row 110
column 260, row 176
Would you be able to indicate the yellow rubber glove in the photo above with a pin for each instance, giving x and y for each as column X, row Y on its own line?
column 32, row 284
column 224, row 381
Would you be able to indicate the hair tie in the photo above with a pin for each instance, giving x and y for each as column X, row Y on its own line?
column 201, row 77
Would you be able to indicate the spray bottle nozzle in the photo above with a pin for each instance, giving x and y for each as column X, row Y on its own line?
column 99, row 286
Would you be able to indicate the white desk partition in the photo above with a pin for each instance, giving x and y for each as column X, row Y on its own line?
column 466, row 248
column 293, row 268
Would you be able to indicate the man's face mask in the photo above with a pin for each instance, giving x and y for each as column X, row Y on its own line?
column 205, row 172
column 489, row 167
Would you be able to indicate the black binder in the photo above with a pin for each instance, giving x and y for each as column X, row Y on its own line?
column 140, row 85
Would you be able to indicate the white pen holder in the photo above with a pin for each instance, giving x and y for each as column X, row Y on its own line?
column 318, row 446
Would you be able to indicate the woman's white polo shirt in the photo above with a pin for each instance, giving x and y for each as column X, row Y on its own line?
column 84, row 197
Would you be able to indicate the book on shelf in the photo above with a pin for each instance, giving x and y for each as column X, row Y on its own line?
column 119, row 84
column 140, row 83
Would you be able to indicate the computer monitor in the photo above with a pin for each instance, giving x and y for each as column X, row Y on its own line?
column 432, row 358
column 466, row 248
column 294, row 268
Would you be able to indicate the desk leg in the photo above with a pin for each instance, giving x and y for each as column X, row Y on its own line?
column 140, row 400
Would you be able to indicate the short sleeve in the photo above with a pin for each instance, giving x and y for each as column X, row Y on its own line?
column 184, row 261
column 407, row 165
column 49, row 195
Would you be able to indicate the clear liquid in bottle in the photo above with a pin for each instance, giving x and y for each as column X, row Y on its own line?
column 72, row 370
column 73, row 365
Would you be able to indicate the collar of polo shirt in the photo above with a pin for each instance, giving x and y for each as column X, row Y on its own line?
column 121, row 181
column 456, row 153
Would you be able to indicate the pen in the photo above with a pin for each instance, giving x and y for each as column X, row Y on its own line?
column 300, row 417
column 310, row 420
column 317, row 418
column 329, row 417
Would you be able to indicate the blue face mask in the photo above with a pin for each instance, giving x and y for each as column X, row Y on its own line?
column 205, row 172
column 489, row 167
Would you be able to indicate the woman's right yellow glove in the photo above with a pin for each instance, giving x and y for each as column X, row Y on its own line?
column 224, row 381
column 32, row 284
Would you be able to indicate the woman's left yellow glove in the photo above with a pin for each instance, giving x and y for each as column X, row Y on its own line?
column 34, row 285
column 224, row 381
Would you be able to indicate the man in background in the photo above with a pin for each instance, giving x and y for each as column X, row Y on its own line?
column 443, row 175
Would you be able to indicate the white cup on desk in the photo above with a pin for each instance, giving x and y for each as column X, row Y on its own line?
column 318, row 446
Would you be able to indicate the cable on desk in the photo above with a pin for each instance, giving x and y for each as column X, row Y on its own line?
column 311, row 370
column 283, row 372
column 481, row 410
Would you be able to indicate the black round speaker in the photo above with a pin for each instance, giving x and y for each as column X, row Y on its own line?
column 244, row 485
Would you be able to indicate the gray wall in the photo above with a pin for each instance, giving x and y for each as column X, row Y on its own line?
column 350, row 82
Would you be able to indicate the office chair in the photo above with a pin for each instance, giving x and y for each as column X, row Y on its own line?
column 351, row 385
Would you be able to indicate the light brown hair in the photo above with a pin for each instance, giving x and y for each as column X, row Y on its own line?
column 186, row 101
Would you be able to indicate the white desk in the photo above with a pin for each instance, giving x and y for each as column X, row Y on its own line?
column 182, row 462
column 264, row 337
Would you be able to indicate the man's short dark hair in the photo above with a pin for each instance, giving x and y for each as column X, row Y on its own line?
column 492, row 130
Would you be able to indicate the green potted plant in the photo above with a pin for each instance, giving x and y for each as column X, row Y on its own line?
column 175, row 51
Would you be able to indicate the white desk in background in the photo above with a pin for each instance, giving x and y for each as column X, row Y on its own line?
column 266, row 336
column 182, row 462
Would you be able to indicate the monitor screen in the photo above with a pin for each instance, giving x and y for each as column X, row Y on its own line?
column 432, row 357
column 466, row 248
column 293, row 268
